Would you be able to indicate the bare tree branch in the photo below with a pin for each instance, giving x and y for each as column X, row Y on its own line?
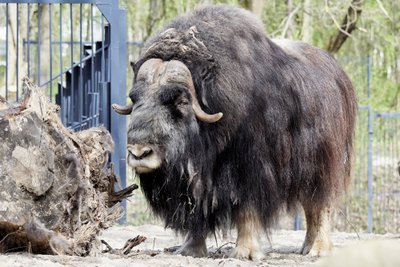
column 384, row 10
column 306, row 28
column 347, row 26
column 288, row 29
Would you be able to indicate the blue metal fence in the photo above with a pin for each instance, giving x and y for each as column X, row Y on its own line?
column 373, row 201
column 76, row 51
column 384, row 178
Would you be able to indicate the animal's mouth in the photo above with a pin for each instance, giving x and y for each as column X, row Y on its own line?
column 143, row 158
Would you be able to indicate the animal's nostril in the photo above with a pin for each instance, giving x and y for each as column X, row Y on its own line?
column 146, row 152
column 139, row 151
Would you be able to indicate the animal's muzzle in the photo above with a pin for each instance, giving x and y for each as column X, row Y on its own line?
column 143, row 158
column 139, row 152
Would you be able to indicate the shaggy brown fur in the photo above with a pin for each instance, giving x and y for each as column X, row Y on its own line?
column 285, row 138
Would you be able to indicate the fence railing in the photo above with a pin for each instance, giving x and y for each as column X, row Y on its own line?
column 76, row 51
column 373, row 204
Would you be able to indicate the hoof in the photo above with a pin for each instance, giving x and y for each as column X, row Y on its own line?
column 304, row 250
column 319, row 249
column 171, row 249
column 192, row 247
column 196, row 252
column 242, row 253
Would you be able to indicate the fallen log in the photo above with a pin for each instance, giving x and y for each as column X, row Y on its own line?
column 54, row 179
column 32, row 237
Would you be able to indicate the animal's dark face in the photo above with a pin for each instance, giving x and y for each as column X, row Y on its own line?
column 164, row 115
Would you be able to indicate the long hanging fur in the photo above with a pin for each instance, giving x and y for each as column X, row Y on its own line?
column 286, row 135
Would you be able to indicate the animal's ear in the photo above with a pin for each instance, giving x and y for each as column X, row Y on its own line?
column 132, row 63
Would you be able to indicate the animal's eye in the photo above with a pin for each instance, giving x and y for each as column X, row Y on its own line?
column 134, row 95
column 172, row 96
column 182, row 102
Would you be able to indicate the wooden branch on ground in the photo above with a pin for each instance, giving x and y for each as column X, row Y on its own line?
column 347, row 27
column 129, row 245
column 115, row 197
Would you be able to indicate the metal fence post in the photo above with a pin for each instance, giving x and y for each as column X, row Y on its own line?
column 369, row 171
column 117, row 19
column 369, row 76
column 297, row 221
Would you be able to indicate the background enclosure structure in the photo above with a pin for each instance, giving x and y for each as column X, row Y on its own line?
column 76, row 51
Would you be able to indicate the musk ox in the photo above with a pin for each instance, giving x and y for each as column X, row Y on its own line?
column 228, row 126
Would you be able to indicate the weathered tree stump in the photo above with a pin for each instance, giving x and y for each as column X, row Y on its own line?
column 53, row 179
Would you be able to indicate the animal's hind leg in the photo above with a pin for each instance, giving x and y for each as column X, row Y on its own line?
column 249, row 229
column 317, row 241
column 195, row 246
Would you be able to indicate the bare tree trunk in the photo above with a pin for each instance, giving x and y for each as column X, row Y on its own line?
column 289, row 23
column 12, row 51
column 156, row 14
column 15, row 38
column 44, row 43
column 396, row 100
column 88, row 19
column 348, row 25
column 307, row 22
column 255, row 6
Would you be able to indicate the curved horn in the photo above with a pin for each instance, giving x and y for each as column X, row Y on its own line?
column 123, row 110
column 198, row 111
column 147, row 71
column 176, row 71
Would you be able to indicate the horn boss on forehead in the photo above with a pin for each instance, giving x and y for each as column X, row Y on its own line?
column 156, row 71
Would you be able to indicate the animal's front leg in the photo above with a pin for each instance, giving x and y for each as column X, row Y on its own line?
column 249, row 230
column 195, row 246
column 317, row 241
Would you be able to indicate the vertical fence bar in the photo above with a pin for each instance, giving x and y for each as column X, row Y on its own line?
column 16, row 63
column 118, row 40
column 38, row 47
column 71, row 115
column 93, row 96
column 6, row 51
column 80, row 94
column 28, row 30
column 369, row 76
column 102, row 50
column 51, row 54
column 109, row 53
column 385, row 179
column 103, row 94
column 61, row 69
column 297, row 221
column 381, row 170
column 397, row 148
column 370, row 189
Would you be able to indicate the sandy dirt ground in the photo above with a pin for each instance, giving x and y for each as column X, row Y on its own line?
column 279, row 252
